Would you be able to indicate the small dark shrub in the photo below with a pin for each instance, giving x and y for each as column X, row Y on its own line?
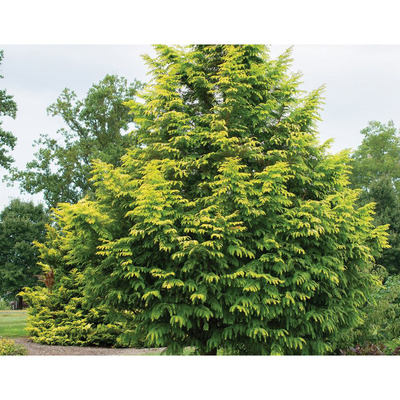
column 371, row 349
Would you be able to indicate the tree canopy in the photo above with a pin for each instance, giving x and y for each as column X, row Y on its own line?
column 21, row 223
column 95, row 128
column 228, row 226
column 378, row 156
column 8, row 107
column 376, row 171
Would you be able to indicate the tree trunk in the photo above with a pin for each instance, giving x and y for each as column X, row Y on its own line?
column 19, row 303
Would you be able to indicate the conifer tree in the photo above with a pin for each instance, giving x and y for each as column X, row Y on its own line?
column 229, row 226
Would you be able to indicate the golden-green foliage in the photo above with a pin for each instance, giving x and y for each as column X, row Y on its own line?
column 10, row 348
column 61, row 316
column 228, row 226
column 59, row 313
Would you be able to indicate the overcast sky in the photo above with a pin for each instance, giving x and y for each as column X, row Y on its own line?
column 362, row 84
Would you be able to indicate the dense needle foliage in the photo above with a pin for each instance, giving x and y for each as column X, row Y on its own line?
column 59, row 313
column 228, row 226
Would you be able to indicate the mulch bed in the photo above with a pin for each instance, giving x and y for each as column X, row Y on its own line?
column 36, row 349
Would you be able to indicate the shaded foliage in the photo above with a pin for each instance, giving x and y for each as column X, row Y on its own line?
column 381, row 319
column 8, row 108
column 369, row 349
column 376, row 171
column 21, row 223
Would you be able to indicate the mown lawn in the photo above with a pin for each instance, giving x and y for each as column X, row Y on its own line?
column 13, row 323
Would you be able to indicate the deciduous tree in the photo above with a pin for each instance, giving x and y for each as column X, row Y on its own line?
column 376, row 171
column 21, row 223
column 8, row 107
column 95, row 129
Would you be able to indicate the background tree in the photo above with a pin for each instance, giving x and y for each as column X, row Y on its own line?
column 95, row 129
column 381, row 319
column 376, row 171
column 377, row 157
column 21, row 223
column 7, row 140
column 228, row 226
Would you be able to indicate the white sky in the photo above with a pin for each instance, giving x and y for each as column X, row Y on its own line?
column 362, row 84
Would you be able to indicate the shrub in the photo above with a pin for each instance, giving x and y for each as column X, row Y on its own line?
column 371, row 349
column 10, row 348
column 4, row 305
column 382, row 313
column 381, row 321
column 59, row 313
column 61, row 316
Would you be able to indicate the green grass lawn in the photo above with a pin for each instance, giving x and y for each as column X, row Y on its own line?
column 13, row 323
